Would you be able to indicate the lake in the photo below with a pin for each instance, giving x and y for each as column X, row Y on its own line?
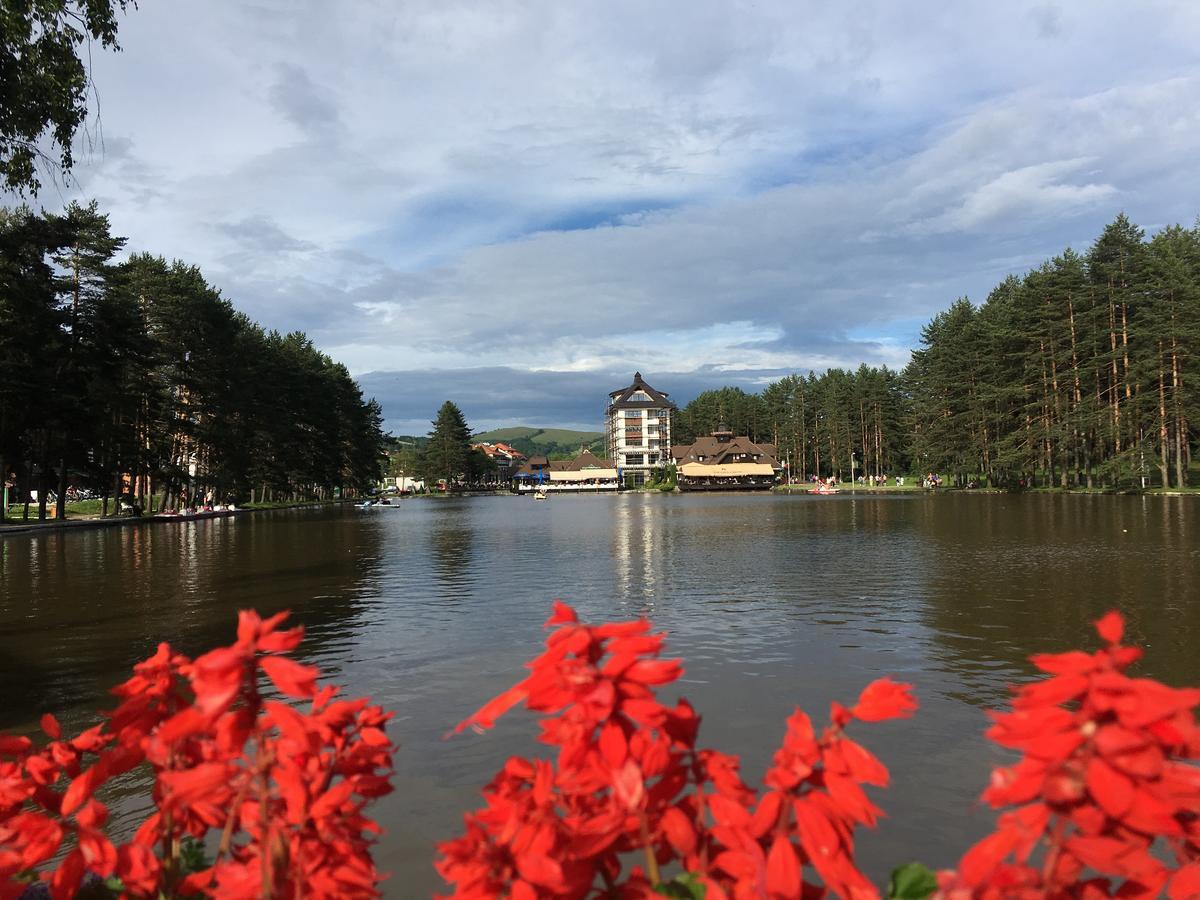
column 771, row 601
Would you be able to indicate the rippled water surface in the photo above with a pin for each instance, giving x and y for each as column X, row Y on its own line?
column 772, row 601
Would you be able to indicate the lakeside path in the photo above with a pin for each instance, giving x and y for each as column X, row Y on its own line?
column 13, row 527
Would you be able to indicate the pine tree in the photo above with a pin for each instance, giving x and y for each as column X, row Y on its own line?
column 447, row 455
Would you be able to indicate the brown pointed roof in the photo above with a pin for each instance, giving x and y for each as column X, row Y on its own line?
column 724, row 451
column 619, row 399
column 585, row 460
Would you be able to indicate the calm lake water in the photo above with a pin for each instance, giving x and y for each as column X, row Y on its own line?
column 771, row 601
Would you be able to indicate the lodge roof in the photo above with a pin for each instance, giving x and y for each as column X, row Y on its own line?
column 718, row 449
column 619, row 399
column 499, row 451
column 731, row 470
column 585, row 460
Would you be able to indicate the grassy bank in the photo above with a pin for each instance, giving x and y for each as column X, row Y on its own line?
column 82, row 509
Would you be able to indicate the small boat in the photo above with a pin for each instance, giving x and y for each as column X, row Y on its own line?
column 824, row 489
column 539, row 494
column 366, row 504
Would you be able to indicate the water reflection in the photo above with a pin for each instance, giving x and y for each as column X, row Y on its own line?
column 641, row 555
column 80, row 607
column 451, row 542
column 1011, row 576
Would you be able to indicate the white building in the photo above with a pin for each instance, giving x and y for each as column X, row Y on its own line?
column 638, row 430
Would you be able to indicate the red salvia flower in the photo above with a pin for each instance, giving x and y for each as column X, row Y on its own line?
column 629, row 784
column 284, row 789
column 1107, row 793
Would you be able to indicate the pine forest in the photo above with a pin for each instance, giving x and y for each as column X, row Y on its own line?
column 1081, row 374
column 137, row 380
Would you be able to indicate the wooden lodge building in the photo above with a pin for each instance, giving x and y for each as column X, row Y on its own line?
column 722, row 462
column 586, row 472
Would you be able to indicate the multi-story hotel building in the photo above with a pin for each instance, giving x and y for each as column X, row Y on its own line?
column 638, row 430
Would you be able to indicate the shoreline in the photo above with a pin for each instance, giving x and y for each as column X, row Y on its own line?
column 33, row 526
column 9, row 528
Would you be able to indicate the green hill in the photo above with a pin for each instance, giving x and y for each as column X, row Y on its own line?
column 547, row 441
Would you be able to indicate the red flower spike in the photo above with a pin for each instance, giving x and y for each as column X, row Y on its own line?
column 562, row 615
column 1095, row 778
column 1185, row 883
column 290, row 677
column 51, row 727
column 885, row 699
column 1111, row 627
column 783, row 870
column 629, row 778
column 204, row 755
column 139, row 870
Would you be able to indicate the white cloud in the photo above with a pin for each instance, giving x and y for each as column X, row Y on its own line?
column 581, row 187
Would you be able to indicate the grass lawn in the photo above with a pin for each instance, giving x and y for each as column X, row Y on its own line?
column 82, row 509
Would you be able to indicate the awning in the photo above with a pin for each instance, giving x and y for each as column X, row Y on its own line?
column 732, row 470
column 584, row 475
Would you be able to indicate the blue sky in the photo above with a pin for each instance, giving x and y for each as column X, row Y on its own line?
column 515, row 205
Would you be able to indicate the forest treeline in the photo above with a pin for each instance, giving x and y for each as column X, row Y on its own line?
column 1082, row 373
column 138, row 379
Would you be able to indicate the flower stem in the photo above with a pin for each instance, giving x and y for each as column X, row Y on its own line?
column 651, row 862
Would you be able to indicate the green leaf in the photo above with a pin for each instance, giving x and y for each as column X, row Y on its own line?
column 192, row 857
column 911, row 882
column 686, row 886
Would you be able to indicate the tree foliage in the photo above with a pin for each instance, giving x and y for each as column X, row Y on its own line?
column 447, row 456
column 46, row 83
column 1082, row 373
column 139, row 378
column 822, row 425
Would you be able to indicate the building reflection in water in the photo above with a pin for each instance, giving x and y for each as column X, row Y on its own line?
column 642, row 553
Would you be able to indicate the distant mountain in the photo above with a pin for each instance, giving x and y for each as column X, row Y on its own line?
column 545, row 441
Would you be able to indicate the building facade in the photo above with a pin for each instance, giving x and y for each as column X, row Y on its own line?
column 508, row 460
column 722, row 461
column 586, row 472
column 638, row 430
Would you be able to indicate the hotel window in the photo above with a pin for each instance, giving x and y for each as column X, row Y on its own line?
column 640, row 397
column 634, row 459
column 633, row 413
